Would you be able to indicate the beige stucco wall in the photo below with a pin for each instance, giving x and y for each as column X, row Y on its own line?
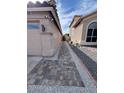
column 74, row 32
column 50, row 27
column 86, row 22
column 79, row 33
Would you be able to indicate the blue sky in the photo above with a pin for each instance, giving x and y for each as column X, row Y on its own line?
column 68, row 8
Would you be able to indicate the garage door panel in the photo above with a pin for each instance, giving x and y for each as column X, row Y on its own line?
column 34, row 43
column 47, row 44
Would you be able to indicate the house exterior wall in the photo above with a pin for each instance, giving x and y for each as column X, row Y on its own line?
column 74, row 34
column 86, row 22
column 56, row 34
column 79, row 33
column 50, row 39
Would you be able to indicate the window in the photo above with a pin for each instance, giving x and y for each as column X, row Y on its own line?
column 33, row 25
column 89, row 32
column 92, row 32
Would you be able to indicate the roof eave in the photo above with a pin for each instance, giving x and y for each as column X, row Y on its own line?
column 80, row 19
column 73, row 19
column 47, row 9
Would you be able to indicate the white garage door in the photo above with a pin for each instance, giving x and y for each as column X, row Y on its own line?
column 34, row 38
column 39, row 43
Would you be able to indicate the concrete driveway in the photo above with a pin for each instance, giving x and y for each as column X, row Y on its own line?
column 32, row 62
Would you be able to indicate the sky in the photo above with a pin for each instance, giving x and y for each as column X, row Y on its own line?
column 68, row 8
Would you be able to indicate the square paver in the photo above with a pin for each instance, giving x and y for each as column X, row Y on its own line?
column 62, row 72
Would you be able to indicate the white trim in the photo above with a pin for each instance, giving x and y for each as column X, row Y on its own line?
column 88, row 43
column 88, row 26
column 40, row 9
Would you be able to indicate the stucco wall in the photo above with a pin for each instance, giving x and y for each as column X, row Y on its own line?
column 86, row 22
column 50, row 27
column 79, row 33
column 76, row 34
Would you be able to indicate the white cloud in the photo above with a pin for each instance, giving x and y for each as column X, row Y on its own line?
column 65, row 19
column 88, row 6
column 83, row 8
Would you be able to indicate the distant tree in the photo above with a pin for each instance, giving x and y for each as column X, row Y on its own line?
column 66, row 37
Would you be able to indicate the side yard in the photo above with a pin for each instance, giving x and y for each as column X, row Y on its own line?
column 58, row 76
column 87, row 61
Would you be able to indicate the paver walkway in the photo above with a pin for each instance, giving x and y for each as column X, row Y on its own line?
column 55, row 89
column 56, row 72
column 89, row 63
column 58, row 76
column 51, row 73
